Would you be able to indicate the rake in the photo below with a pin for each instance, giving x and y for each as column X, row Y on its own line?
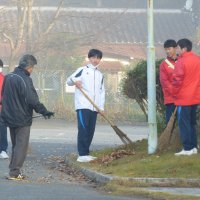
column 124, row 138
column 164, row 139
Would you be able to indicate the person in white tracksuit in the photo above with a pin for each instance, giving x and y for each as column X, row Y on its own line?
column 91, row 80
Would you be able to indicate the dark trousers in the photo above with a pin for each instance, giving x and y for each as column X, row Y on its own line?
column 20, row 140
column 3, row 137
column 187, row 126
column 86, row 127
column 169, row 110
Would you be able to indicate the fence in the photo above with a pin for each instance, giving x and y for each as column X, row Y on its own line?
column 53, row 92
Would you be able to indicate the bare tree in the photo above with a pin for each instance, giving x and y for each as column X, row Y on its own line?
column 29, row 4
column 39, row 44
column 16, row 42
column 20, row 37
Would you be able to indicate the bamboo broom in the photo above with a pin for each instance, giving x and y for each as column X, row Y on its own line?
column 164, row 139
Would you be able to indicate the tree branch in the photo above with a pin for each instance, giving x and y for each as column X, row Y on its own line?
column 21, row 21
column 51, row 24
column 10, row 40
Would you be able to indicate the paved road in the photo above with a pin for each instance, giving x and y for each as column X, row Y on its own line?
column 59, row 130
column 47, row 175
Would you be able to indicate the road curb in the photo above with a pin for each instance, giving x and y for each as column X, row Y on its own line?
column 91, row 174
column 102, row 178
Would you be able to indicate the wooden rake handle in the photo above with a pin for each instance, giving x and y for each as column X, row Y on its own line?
column 122, row 135
column 97, row 108
column 175, row 110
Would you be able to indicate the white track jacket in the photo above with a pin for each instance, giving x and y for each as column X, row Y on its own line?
column 93, row 84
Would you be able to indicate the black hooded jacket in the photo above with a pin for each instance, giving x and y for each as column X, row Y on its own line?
column 19, row 99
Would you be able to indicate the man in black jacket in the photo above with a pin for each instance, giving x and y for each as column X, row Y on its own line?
column 19, row 99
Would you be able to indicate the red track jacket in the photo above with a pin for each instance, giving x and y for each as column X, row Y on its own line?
column 166, row 72
column 186, row 80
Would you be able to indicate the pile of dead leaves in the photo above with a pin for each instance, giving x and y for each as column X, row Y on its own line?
column 116, row 155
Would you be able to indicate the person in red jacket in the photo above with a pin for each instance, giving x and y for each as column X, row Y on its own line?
column 186, row 90
column 166, row 71
column 3, row 128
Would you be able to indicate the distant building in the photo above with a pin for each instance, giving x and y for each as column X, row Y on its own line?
column 120, row 33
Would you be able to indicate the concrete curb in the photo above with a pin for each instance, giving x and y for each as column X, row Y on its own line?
column 93, row 175
column 102, row 178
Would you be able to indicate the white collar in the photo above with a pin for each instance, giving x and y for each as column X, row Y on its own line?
column 92, row 66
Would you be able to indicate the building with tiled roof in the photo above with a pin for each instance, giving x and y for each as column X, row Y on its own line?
column 119, row 32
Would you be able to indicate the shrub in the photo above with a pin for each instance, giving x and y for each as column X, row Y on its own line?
column 134, row 86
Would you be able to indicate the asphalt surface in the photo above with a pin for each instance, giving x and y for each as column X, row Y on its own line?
column 48, row 177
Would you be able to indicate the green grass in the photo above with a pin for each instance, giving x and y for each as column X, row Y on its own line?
column 141, row 164
column 125, row 189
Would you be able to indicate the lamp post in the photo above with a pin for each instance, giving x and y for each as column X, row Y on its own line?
column 151, row 82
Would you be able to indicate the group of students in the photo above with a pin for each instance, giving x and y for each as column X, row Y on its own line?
column 179, row 77
column 180, row 81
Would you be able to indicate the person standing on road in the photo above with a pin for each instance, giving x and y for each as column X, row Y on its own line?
column 166, row 71
column 3, row 128
column 19, row 99
column 186, row 90
column 91, row 80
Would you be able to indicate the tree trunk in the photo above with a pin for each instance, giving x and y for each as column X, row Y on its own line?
column 29, row 26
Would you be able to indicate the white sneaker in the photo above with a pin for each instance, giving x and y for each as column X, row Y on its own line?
column 195, row 151
column 84, row 159
column 186, row 153
column 4, row 155
column 94, row 158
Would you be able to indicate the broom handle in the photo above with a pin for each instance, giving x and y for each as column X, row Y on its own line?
column 175, row 110
column 97, row 108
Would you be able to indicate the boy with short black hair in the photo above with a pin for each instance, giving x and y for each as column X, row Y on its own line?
column 166, row 71
column 91, row 80
column 186, row 90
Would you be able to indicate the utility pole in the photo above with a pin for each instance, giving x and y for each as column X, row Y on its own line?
column 151, row 82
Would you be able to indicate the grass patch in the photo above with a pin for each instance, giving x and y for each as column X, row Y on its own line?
column 125, row 189
column 141, row 164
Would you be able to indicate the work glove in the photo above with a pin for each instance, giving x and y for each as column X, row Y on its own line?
column 48, row 114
